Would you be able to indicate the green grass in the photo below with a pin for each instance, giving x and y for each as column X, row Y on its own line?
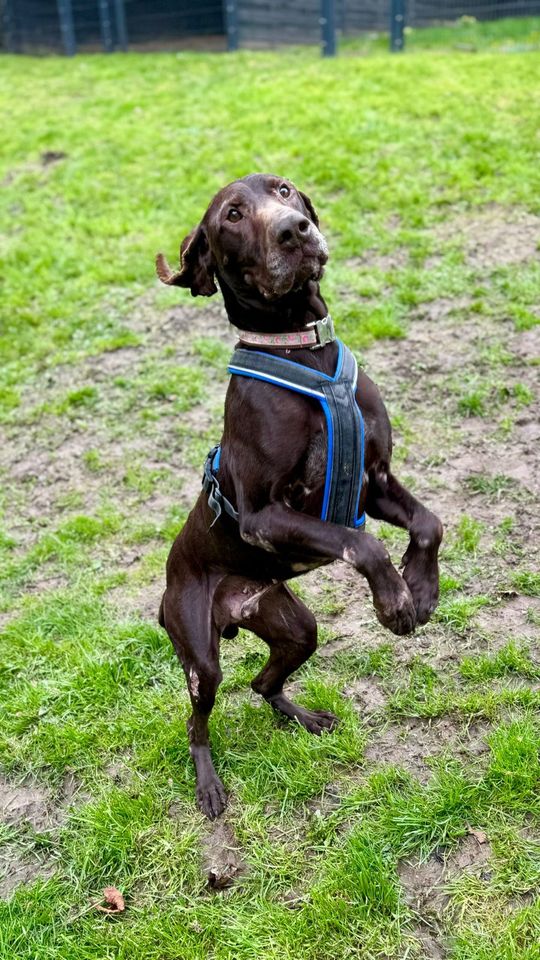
column 111, row 392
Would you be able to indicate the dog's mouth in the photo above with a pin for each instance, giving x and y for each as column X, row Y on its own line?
column 287, row 271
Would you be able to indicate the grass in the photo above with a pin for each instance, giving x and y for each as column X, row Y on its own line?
column 111, row 393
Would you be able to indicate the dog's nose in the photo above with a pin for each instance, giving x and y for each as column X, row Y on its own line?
column 292, row 229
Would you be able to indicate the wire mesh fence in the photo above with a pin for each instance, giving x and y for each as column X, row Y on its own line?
column 40, row 26
column 425, row 12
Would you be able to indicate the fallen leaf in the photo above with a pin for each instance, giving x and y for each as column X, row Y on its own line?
column 478, row 835
column 115, row 900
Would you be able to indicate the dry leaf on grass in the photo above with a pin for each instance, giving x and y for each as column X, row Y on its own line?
column 115, row 900
column 478, row 835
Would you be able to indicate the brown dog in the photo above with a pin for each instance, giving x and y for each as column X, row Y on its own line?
column 260, row 240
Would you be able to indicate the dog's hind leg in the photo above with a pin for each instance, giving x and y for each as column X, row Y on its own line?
column 187, row 615
column 389, row 500
column 290, row 630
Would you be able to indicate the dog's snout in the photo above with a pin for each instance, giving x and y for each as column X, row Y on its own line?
column 292, row 229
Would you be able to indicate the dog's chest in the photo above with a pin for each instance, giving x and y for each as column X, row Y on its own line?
column 307, row 487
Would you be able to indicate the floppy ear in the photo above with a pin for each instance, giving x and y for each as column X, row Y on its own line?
column 310, row 208
column 196, row 267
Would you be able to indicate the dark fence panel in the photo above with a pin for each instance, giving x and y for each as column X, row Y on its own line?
column 31, row 25
column 36, row 26
column 358, row 16
column 163, row 22
column 266, row 23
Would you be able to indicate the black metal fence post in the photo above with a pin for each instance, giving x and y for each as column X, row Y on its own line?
column 328, row 28
column 120, row 20
column 67, row 28
column 397, row 25
column 106, row 25
column 231, row 25
column 8, row 26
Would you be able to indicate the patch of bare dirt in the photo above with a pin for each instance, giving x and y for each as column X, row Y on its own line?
column 367, row 696
column 222, row 858
column 24, row 802
column 143, row 603
column 395, row 260
column 34, row 804
column 120, row 772
column 17, row 868
column 452, row 457
column 327, row 802
column 526, row 343
column 411, row 744
column 510, row 620
column 30, row 804
column 495, row 236
column 424, row 886
column 49, row 157
column 43, row 464
column 448, row 311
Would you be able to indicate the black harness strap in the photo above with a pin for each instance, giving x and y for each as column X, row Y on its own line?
column 345, row 428
column 216, row 499
column 337, row 396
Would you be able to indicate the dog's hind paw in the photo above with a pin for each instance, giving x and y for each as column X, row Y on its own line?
column 314, row 721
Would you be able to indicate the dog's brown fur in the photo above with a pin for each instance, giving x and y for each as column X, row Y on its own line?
column 260, row 240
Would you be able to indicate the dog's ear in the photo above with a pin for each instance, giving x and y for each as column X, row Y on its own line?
column 196, row 266
column 310, row 208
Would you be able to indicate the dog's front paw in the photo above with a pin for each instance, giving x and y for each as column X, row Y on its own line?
column 211, row 798
column 420, row 571
column 395, row 607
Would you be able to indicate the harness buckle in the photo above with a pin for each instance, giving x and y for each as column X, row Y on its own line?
column 216, row 500
column 324, row 330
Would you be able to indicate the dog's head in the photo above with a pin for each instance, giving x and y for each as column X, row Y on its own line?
column 259, row 236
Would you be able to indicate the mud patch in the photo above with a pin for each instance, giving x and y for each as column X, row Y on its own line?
column 495, row 236
column 517, row 617
column 17, row 869
column 413, row 743
column 424, row 881
column 31, row 805
column 374, row 260
column 424, row 885
column 46, row 457
column 143, row 603
column 34, row 805
column 222, row 860
column 327, row 802
column 48, row 157
column 25, row 803
column 367, row 696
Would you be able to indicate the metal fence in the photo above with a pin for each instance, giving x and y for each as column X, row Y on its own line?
column 41, row 26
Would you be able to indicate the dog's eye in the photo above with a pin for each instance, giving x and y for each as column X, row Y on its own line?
column 234, row 215
column 284, row 190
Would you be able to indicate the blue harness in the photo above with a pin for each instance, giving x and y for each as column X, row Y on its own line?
column 345, row 428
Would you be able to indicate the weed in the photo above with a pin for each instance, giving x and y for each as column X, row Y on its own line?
column 528, row 582
column 489, row 486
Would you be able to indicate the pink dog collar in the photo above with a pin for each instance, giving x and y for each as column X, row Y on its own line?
column 314, row 335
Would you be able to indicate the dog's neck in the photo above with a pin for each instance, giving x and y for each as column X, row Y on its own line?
column 289, row 313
